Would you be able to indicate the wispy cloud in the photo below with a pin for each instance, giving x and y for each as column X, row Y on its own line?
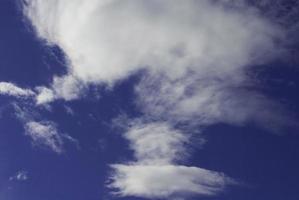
column 20, row 176
column 208, row 100
column 7, row 88
column 156, row 143
column 157, row 148
column 67, row 88
column 195, row 57
column 43, row 133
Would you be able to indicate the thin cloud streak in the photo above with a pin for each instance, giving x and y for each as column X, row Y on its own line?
column 7, row 88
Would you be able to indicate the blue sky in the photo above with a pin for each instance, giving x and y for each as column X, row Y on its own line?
column 149, row 99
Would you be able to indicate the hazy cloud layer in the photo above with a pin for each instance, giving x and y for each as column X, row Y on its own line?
column 205, row 101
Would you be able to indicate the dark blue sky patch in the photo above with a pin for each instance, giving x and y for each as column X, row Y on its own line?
column 23, row 56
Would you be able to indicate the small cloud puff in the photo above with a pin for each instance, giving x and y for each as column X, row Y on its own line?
column 19, row 176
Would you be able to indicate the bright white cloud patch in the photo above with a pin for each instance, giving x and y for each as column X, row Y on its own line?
column 105, row 40
column 7, row 88
column 67, row 88
column 45, row 134
column 164, row 181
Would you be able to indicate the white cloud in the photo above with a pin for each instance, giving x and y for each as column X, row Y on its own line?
column 196, row 56
column 45, row 95
column 19, row 176
column 45, row 134
column 67, row 87
column 157, row 148
column 106, row 43
column 208, row 101
column 152, row 181
column 7, row 88
column 156, row 143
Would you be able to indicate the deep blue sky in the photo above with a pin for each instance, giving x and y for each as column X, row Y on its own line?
column 267, row 164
